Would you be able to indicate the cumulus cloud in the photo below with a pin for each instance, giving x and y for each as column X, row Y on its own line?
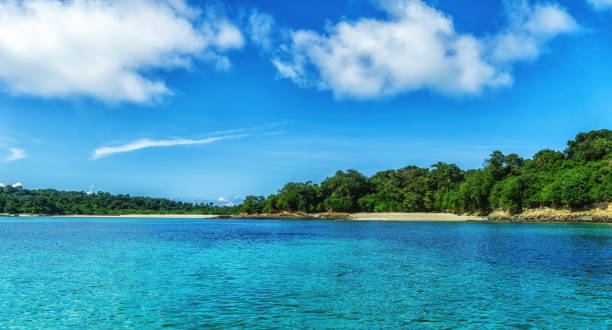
column 413, row 47
column 105, row 49
column 600, row 4
column 16, row 185
column 16, row 154
column 228, row 202
column 529, row 29
column 147, row 143
column 260, row 29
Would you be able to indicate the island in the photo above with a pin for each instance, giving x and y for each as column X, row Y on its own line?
column 573, row 185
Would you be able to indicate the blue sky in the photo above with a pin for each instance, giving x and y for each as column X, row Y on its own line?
column 206, row 100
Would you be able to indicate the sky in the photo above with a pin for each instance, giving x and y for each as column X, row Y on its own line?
column 215, row 100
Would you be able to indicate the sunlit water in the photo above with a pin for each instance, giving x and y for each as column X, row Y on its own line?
column 151, row 273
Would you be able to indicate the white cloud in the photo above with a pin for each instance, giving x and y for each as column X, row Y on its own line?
column 228, row 201
column 147, row 143
column 16, row 154
column 414, row 47
column 17, row 185
column 600, row 4
column 1, row 184
column 105, row 49
column 529, row 29
column 263, row 130
column 224, row 35
column 260, row 29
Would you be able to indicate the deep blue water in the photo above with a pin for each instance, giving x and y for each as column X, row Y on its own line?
column 151, row 273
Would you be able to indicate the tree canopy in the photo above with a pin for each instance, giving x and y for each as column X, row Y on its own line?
column 53, row 202
column 578, row 178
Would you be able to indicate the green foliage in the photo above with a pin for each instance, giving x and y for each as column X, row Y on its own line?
column 508, row 195
column 591, row 146
column 578, row 178
column 342, row 191
column 574, row 187
column 53, row 202
column 253, row 205
column 474, row 192
column 602, row 182
column 298, row 197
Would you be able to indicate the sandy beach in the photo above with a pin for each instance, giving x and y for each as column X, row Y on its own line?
column 398, row 216
column 562, row 216
column 362, row 216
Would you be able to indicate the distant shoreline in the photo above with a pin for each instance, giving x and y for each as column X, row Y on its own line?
column 362, row 216
column 169, row 216
column 530, row 216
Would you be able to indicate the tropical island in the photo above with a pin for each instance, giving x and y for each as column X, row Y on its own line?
column 570, row 185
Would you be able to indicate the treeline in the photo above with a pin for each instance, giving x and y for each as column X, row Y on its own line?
column 578, row 178
column 53, row 202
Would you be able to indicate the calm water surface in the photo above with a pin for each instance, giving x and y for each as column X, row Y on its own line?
column 151, row 273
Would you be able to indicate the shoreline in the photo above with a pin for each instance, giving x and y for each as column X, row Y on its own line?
column 360, row 216
column 529, row 216
column 532, row 216
column 413, row 216
column 126, row 216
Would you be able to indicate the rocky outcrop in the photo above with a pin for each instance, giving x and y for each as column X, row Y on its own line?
column 593, row 216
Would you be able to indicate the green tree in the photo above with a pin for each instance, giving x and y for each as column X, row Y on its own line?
column 343, row 190
column 590, row 146
column 253, row 204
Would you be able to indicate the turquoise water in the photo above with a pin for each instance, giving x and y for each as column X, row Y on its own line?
column 152, row 273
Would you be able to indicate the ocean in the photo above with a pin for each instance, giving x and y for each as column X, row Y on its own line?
column 191, row 273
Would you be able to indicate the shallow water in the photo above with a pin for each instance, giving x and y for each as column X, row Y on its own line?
column 150, row 273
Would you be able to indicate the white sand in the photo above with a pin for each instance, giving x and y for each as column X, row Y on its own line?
column 363, row 216
column 416, row 216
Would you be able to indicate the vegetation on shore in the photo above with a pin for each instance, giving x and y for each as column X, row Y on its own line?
column 15, row 200
column 578, row 178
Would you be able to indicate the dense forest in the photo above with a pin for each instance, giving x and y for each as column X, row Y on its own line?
column 578, row 178
column 15, row 200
